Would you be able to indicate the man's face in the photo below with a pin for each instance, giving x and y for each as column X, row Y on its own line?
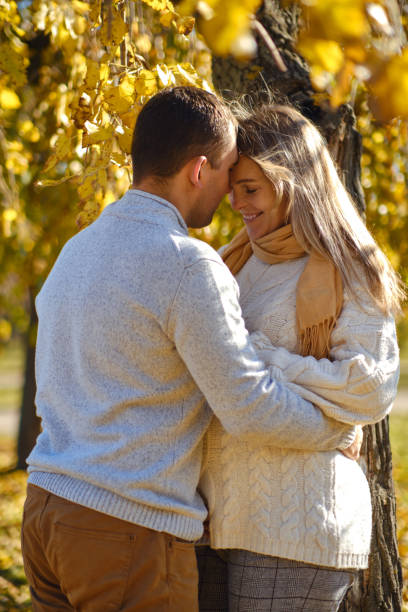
column 216, row 185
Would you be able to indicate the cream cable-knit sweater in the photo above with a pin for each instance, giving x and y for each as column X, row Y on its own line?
column 313, row 507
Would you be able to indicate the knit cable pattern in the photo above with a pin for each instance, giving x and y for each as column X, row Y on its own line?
column 317, row 515
column 260, row 491
column 289, row 498
column 231, row 512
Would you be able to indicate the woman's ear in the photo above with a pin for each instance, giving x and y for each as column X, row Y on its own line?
column 196, row 168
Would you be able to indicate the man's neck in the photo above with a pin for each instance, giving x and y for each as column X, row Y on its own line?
column 166, row 190
column 153, row 187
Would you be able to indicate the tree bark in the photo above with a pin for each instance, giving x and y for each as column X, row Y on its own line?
column 379, row 588
column 29, row 426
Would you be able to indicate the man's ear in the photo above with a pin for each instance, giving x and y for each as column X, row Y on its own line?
column 196, row 167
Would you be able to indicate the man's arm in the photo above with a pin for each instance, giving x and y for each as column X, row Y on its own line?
column 209, row 333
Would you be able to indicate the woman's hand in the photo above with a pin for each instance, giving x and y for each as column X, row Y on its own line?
column 353, row 451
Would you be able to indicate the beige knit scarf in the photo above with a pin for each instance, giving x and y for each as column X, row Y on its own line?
column 319, row 292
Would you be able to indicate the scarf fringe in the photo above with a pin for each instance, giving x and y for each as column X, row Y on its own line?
column 315, row 340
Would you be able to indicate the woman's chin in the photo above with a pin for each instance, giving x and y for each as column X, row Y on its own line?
column 253, row 234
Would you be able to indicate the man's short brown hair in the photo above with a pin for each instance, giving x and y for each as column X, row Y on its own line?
column 176, row 125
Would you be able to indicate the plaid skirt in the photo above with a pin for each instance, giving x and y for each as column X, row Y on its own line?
column 240, row 580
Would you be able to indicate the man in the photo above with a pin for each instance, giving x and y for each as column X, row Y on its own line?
column 139, row 324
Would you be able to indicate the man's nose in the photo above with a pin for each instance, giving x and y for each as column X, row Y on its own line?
column 234, row 201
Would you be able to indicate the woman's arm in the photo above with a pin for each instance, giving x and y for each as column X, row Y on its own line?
column 358, row 384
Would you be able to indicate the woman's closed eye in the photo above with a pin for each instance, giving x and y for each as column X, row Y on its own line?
column 248, row 190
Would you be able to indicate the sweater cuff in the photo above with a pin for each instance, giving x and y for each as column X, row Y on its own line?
column 271, row 355
column 276, row 373
column 349, row 438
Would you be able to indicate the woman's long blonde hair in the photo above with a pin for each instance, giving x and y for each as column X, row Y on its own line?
column 292, row 154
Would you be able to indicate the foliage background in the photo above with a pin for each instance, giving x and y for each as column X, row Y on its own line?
column 73, row 77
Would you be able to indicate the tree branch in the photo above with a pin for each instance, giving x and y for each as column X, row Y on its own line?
column 264, row 34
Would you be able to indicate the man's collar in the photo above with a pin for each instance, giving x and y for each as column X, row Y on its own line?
column 139, row 193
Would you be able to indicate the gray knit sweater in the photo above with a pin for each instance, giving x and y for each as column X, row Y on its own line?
column 138, row 323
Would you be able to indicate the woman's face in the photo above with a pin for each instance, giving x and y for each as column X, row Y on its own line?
column 252, row 194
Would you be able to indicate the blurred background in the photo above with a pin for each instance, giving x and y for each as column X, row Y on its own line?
column 73, row 77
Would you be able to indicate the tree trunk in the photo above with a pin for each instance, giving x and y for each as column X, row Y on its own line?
column 380, row 587
column 29, row 426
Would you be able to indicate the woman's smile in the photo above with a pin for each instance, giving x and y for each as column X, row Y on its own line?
column 250, row 217
column 253, row 196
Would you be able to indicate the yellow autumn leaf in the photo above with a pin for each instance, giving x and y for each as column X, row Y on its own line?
column 185, row 25
column 325, row 54
column 118, row 159
column 67, row 41
column 94, row 13
column 80, row 25
column 121, row 97
column 160, row 5
column 9, row 100
column 206, row 9
column 53, row 182
column 15, row 145
column 81, row 110
column 86, row 188
column 339, row 20
column 165, row 75
column 388, row 88
column 82, row 8
column 124, row 137
column 167, row 18
column 95, row 134
column 28, row 130
column 13, row 63
column 9, row 12
column 62, row 146
column 356, row 52
column 92, row 206
column 341, row 90
column 143, row 43
column 9, row 214
column 105, row 151
column 127, row 86
column 129, row 119
column 92, row 74
column 114, row 33
column 17, row 163
column 51, row 162
column 186, row 75
column 102, row 178
column 86, row 217
column 146, row 84
column 104, row 72
column 225, row 22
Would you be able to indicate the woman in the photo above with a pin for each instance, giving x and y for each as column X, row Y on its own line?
column 291, row 526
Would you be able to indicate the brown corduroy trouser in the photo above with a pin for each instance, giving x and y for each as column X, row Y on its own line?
column 79, row 559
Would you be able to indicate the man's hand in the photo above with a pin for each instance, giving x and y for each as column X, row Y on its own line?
column 353, row 451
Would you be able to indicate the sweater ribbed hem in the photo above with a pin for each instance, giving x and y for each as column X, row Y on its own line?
column 292, row 550
column 107, row 502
